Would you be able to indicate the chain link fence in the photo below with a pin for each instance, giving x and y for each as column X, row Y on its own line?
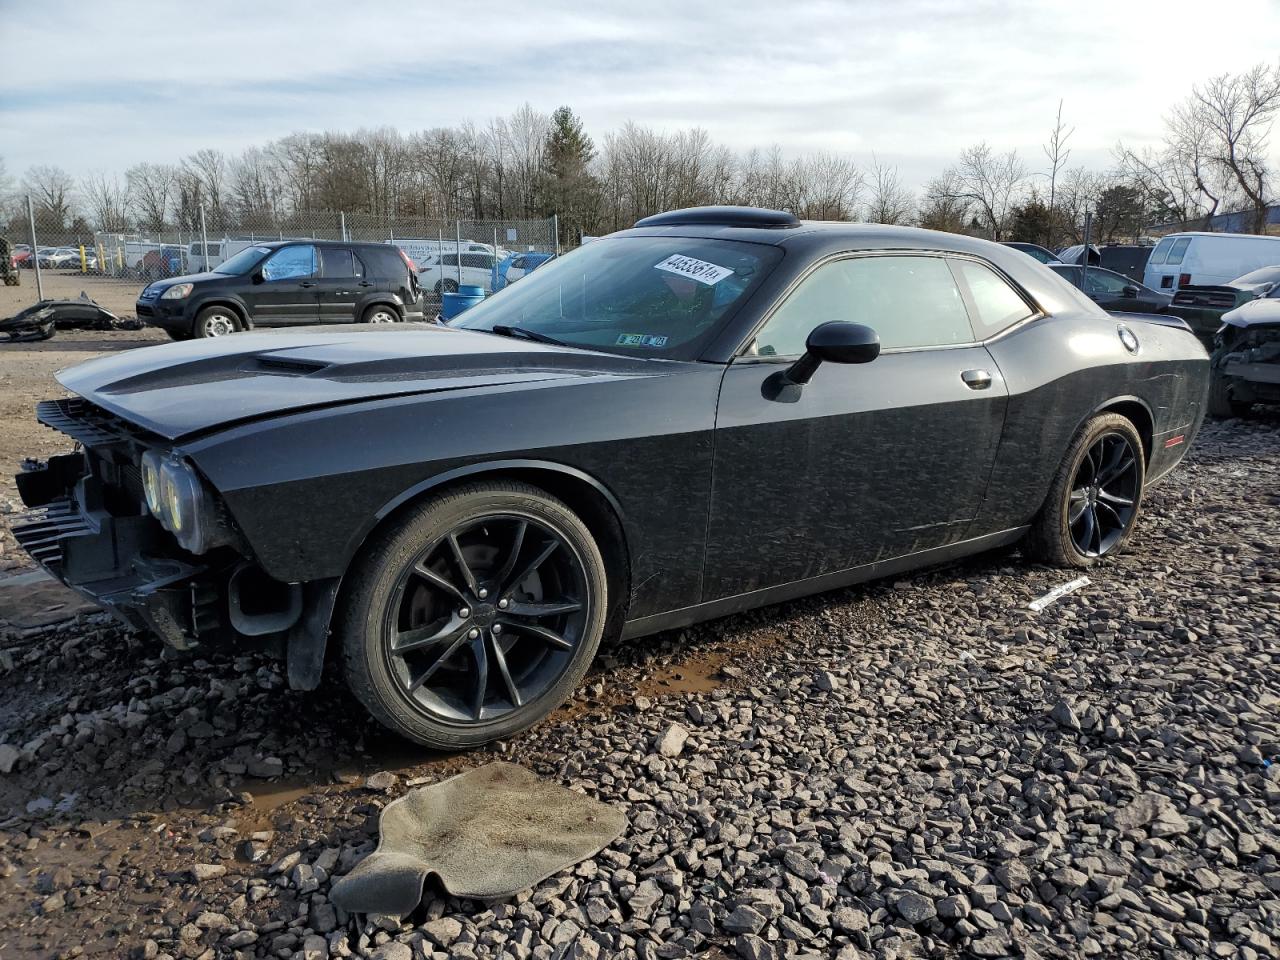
column 55, row 251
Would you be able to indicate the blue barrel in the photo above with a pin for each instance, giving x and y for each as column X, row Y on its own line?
column 452, row 304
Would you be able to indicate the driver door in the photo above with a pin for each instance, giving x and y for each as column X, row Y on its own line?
column 865, row 462
column 287, row 293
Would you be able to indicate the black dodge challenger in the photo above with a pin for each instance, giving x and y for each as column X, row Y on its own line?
column 717, row 409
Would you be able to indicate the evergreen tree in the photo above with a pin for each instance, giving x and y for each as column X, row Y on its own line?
column 570, row 191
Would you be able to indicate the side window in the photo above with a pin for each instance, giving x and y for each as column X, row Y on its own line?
column 1177, row 251
column 449, row 260
column 337, row 262
column 1103, row 281
column 996, row 304
column 290, row 263
column 1160, row 252
column 357, row 265
column 481, row 260
column 909, row 301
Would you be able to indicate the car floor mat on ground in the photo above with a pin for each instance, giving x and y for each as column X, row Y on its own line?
column 486, row 834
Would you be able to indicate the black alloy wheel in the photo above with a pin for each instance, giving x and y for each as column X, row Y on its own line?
column 1095, row 497
column 1104, row 495
column 486, row 619
column 474, row 615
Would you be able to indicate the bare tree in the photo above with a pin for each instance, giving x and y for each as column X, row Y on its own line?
column 107, row 201
column 1235, row 112
column 889, row 202
column 52, row 190
column 151, row 191
column 202, row 184
column 943, row 207
column 988, row 182
column 1058, row 153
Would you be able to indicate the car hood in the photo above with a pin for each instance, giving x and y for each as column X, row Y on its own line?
column 1255, row 313
column 167, row 282
column 179, row 389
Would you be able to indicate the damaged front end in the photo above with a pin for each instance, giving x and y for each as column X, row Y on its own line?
column 126, row 521
column 1246, row 356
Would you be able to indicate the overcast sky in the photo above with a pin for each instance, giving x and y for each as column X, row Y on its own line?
column 100, row 85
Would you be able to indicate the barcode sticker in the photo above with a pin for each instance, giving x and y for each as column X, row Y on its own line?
column 707, row 273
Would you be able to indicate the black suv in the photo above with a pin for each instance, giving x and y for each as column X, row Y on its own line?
column 288, row 283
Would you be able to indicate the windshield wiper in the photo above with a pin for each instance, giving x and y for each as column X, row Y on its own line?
column 506, row 330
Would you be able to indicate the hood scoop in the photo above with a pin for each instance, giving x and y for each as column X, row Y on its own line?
column 285, row 366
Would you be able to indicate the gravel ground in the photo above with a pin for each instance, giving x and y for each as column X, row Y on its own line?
column 913, row 768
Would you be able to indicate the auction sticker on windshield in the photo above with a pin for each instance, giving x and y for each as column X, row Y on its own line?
column 700, row 270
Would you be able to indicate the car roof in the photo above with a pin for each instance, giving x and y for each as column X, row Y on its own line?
column 320, row 243
column 1210, row 233
column 870, row 234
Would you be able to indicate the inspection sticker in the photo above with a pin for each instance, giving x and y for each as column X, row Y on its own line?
column 640, row 340
column 700, row 270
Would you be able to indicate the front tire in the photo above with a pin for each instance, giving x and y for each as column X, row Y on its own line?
column 474, row 617
column 216, row 321
column 1095, row 498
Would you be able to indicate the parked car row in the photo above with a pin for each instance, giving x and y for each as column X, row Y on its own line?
column 54, row 258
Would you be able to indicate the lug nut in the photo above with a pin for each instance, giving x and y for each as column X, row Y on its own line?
column 503, row 604
column 482, row 593
column 464, row 612
column 497, row 628
column 474, row 633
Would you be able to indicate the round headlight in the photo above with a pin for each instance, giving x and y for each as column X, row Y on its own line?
column 150, row 469
column 180, row 495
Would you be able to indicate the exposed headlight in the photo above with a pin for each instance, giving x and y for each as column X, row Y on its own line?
column 177, row 292
column 185, row 507
column 151, row 481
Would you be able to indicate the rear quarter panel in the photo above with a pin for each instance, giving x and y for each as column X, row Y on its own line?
column 1063, row 369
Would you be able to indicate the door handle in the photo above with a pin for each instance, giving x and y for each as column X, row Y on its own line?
column 307, row 283
column 365, row 283
column 976, row 379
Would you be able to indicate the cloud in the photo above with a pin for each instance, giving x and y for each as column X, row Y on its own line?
column 915, row 80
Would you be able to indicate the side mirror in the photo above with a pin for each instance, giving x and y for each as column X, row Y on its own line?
column 257, row 276
column 1129, row 290
column 834, row 342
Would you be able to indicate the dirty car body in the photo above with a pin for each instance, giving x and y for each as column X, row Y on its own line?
column 714, row 468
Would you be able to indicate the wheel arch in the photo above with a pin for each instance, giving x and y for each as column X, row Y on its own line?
column 584, row 494
column 380, row 300
column 231, row 303
column 1136, row 411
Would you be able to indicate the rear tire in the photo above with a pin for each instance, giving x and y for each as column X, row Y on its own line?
column 1095, row 498
column 446, row 286
column 380, row 313
column 1221, row 403
column 475, row 616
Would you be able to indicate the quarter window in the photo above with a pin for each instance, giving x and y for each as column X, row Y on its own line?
column 908, row 301
column 290, row 263
column 996, row 304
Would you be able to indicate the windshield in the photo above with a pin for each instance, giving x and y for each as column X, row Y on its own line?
column 242, row 262
column 640, row 296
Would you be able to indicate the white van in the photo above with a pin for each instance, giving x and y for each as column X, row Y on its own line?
column 443, row 274
column 202, row 260
column 1207, row 259
column 420, row 251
